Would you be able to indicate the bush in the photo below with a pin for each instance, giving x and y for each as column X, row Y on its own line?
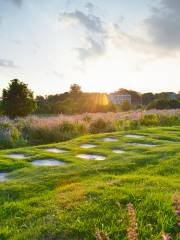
column 10, row 136
column 150, row 120
column 87, row 118
column 62, row 132
column 164, row 104
column 127, row 125
column 169, row 120
column 100, row 126
column 126, row 106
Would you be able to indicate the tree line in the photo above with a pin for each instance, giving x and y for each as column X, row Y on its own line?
column 18, row 100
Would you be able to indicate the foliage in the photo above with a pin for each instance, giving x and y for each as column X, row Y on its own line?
column 17, row 100
column 10, row 136
column 150, row 120
column 61, row 132
column 164, row 104
column 75, row 89
column 35, row 130
column 126, row 106
column 100, row 126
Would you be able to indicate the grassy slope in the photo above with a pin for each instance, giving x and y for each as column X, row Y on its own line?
column 70, row 202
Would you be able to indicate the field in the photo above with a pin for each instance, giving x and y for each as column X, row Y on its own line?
column 83, row 199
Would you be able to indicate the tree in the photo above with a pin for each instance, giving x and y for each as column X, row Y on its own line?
column 126, row 106
column 164, row 104
column 75, row 88
column 17, row 100
column 147, row 98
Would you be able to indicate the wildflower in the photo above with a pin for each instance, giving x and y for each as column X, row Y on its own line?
column 166, row 236
column 101, row 235
column 176, row 206
column 132, row 230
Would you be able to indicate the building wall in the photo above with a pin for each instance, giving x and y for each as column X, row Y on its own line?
column 119, row 99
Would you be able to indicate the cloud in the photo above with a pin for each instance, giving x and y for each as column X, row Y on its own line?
column 68, row 3
column 1, row 20
column 95, row 49
column 17, row 3
column 90, row 6
column 126, row 42
column 90, row 22
column 95, row 34
column 163, row 25
column 7, row 63
column 57, row 74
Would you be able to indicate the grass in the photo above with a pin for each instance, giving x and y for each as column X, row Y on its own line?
column 87, row 199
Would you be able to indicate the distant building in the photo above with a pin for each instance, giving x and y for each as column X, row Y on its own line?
column 172, row 95
column 118, row 99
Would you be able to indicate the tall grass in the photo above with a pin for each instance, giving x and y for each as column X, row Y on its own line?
column 41, row 130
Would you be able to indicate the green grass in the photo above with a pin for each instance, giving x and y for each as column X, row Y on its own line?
column 72, row 201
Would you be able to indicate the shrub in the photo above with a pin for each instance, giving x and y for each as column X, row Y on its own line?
column 87, row 118
column 150, row 120
column 126, row 106
column 10, row 136
column 62, row 132
column 99, row 126
column 169, row 120
column 164, row 104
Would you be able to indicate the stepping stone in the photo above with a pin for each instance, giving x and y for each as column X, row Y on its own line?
column 91, row 156
column 3, row 177
column 55, row 150
column 143, row 144
column 47, row 162
column 110, row 139
column 118, row 151
column 88, row 146
column 17, row 155
column 133, row 136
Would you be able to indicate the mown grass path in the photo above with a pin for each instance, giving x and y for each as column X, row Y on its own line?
column 72, row 200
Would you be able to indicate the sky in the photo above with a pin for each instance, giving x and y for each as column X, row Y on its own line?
column 102, row 45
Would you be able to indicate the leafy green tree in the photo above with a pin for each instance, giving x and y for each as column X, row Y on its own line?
column 164, row 104
column 17, row 100
column 75, row 88
column 126, row 106
column 147, row 98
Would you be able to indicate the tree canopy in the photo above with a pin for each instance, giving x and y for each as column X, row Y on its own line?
column 17, row 100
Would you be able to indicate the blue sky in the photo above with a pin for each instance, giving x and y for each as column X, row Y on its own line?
column 102, row 45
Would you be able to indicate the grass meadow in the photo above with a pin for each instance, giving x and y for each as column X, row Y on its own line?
column 129, row 195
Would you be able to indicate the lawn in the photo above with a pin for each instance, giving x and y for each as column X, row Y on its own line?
column 82, row 196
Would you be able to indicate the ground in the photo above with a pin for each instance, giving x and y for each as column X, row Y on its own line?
column 72, row 201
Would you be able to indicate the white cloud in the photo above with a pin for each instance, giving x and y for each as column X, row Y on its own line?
column 7, row 63
column 94, row 44
column 163, row 25
column 17, row 3
column 94, row 48
column 89, row 21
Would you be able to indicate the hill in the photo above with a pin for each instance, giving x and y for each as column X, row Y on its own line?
column 79, row 198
